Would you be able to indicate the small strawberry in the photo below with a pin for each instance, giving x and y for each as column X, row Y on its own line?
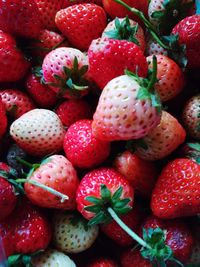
column 132, row 257
column 64, row 70
column 170, row 77
column 20, row 17
column 112, row 57
column 16, row 102
column 140, row 173
column 73, row 110
column 125, row 29
column 163, row 139
column 41, row 93
column 81, row 23
column 3, row 119
column 72, row 234
column 82, row 148
column 52, row 257
column 103, row 262
column 191, row 117
column 39, row 132
column 57, row 173
column 13, row 64
column 176, row 193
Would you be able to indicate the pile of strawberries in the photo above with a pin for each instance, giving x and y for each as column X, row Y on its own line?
column 99, row 130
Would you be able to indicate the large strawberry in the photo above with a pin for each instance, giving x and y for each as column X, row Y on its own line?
column 103, row 262
column 112, row 57
column 3, row 119
column 13, row 64
column 81, row 24
column 82, row 148
column 176, row 193
column 39, row 132
column 20, row 17
column 72, row 234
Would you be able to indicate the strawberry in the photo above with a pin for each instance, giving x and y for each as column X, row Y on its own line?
column 112, row 57
column 16, row 102
column 26, row 232
column 163, row 139
column 82, row 148
column 3, row 119
column 8, row 198
column 73, row 110
column 153, row 48
column 67, row 3
column 20, row 17
column 170, row 77
column 13, row 64
column 57, row 173
column 140, row 173
column 72, row 234
column 52, row 257
column 189, row 35
column 48, row 10
column 125, row 29
column 41, row 93
column 81, row 24
column 103, row 262
column 191, row 116
column 176, row 193
column 64, row 70
column 132, row 257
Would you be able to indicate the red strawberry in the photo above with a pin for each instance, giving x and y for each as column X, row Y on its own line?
column 81, row 24
column 3, row 119
column 16, row 102
column 191, row 118
column 163, row 139
column 73, row 110
column 67, row 3
column 170, row 77
column 7, row 194
column 26, row 232
column 103, row 262
column 140, row 173
column 20, row 17
column 48, row 10
column 132, row 257
column 176, row 193
column 13, row 64
column 41, row 93
column 82, row 148
column 64, row 70
column 189, row 35
column 57, row 173
column 112, row 57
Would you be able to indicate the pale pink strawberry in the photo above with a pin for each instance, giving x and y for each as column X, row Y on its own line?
column 153, row 48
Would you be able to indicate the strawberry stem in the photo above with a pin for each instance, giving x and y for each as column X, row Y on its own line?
column 127, row 229
column 24, row 162
column 45, row 187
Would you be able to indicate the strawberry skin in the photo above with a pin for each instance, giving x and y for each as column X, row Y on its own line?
column 112, row 57
column 20, row 17
column 176, row 193
column 58, row 173
column 132, row 257
column 153, row 48
column 81, row 24
column 103, row 262
column 67, row 3
column 3, row 119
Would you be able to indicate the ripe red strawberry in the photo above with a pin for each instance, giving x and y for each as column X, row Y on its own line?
column 8, row 198
column 112, row 57
column 82, row 148
column 67, row 3
column 16, row 102
column 41, row 93
column 176, row 193
column 170, row 77
column 189, row 35
column 191, row 117
column 39, row 132
column 64, row 70
column 103, row 262
column 178, row 236
column 48, row 10
column 26, row 232
column 3, row 119
column 57, row 173
column 140, row 173
column 125, row 29
column 13, row 64
column 81, row 24
column 132, row 257
column 73, row 110
column 163, row 139
column 20, row 17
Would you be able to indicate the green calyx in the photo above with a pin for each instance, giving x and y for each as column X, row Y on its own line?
column 124, row 31
column 194, row 152
column 106, row 200
column 22, row 260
